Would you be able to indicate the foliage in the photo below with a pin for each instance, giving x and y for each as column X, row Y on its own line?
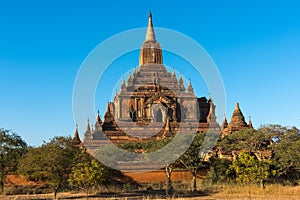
column 249, row 170
column 246, row 140
column 287, row 154
column 12, row 147
column 51, row 162
column 88, row 173
column 36, row 170
column 217, row 172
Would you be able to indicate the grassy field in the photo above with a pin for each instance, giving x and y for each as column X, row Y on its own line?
column 222, row 192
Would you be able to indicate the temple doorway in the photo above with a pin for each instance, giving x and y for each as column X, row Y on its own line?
column 159, row 116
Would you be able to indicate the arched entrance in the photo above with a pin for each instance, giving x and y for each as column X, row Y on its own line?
column 159, row 116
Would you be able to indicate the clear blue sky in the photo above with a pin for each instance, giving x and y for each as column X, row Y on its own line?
column 255, row 45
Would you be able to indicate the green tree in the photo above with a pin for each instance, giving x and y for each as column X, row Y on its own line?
column 258, row 142
column 249, row 170
column 247, row 140
column 35, row 171
column 286, row 157
column 12, row 147
column 88, row 173
column 217, row 172
column 52, row 162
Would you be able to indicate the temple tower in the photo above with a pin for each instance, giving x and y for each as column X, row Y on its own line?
column 151, row 52
column 237, row 122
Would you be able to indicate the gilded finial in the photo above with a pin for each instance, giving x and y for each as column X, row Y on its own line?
column 150, row 36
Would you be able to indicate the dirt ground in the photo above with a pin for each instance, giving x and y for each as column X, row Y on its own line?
column 158, row 176
column 17, row 180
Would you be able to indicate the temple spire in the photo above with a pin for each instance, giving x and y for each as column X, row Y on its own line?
column 237, row 107
column 88, row 127
column 173, row 75
column 180, row 83
column 190, row 88
column 224, row 123
column 250, row 123
column 237, row 120
column 98, row 118
column 150, row 36
column 123, row 81
column 123, row 86
column 76, row 139
column 76, row 135
column 211, row 115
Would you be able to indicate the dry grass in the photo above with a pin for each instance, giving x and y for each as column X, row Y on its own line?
column 216, row 192
column 271, row 192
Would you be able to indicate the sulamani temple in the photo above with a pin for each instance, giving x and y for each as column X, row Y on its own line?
column 153, row 103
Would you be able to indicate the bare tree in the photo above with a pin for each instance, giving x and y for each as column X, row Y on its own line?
column 194, row 158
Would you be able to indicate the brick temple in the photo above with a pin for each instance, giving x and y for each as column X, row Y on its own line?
column 154, row 103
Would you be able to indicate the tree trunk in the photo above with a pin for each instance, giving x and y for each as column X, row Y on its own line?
column 2, row 187
column 55, row 191
column 262, row 184
column 169, row 189
column 87, row 194
column 194, row 182
column 2, row 184
column 249, row 190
